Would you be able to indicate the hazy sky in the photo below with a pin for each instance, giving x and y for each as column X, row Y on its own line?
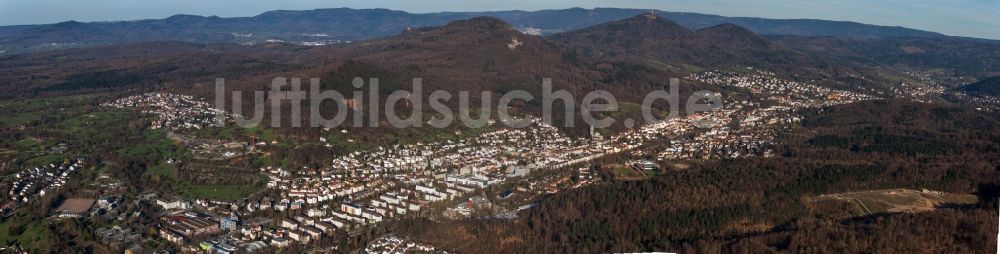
column 975, row 18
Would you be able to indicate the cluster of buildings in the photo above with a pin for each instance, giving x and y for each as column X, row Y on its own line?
column 324, row 42
column 183, row 112
column 118, row 237
column 926, row 85
column 389, row 244
column 110, row 207
column 918, row 92
column 187, row 229
column 783, row 92
column 31, row 184
column 307, row 39
column 372, row 186
column 386, row 182
column 188, row 225
column 408, row 180
column 532, row 31
column 196, row 231
column 982, row 103
column 230, row 234
column 739, row 129
column 488, row 152
column 390, row 182
column 744, row 128
column 218, row 227
column 173, row 111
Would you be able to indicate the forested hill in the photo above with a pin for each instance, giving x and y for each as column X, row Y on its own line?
column 986, row 87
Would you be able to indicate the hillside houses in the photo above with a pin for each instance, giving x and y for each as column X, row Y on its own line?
column 173, row 111
column 30, row 184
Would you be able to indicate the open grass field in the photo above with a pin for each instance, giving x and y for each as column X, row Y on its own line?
column 26, row 111
column 218, row 191
column 47, row 159
column 31, row 235
column 899, row 200
column 13, row 120
column 626, row 173
column 165, row 172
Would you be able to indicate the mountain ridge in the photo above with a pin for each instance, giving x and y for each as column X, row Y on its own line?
column 652, row 37
column 487, row 53
column 345, row 24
